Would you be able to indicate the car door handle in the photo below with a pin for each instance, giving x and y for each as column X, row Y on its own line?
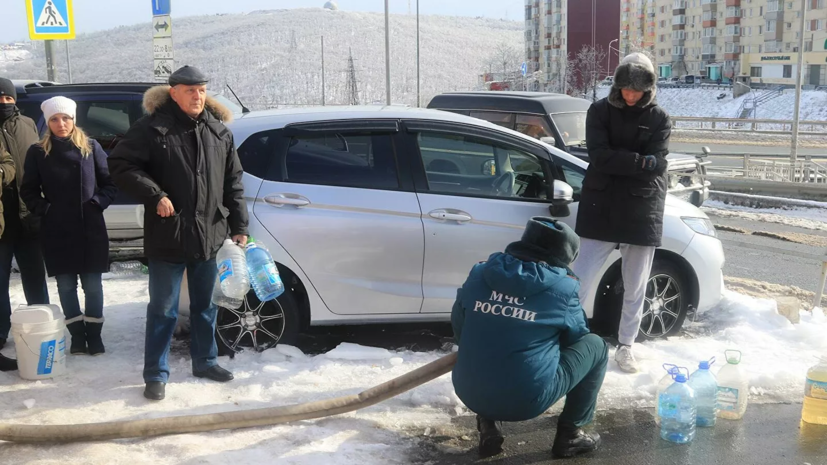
column 450, row 215
column 280, row 200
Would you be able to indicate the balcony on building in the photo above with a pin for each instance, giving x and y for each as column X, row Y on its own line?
column 732, row 56
column 733, row 2
column 710, row 23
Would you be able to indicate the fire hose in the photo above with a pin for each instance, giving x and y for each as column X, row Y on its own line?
column 227, row 420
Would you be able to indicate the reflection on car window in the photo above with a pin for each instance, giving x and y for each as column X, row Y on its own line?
column 534, row 126
column 572, row 127
column 341, row 159
column 505, row 120
column 464, row 165
column 574, row 176
column 256, row 153
column 105, row 122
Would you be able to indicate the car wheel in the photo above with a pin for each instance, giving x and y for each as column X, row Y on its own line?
column 667, row 302
column 257, row 325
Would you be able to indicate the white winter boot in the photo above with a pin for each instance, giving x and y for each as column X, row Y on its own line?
column 626, row 360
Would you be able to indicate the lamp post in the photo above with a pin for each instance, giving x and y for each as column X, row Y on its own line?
column 609, row 56
column 387, row 55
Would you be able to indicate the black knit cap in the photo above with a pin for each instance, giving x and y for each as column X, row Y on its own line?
column 7, row 88
column 188, row 76
column 547, row 240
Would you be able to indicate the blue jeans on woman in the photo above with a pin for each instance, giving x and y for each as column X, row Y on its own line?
column 162, row 315
column 67, row 290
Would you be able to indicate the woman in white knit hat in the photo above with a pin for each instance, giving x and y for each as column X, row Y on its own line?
column 67, row 183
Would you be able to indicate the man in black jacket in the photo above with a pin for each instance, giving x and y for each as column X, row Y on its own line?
column 20, row 237
column 180, row 161
column 624, row 192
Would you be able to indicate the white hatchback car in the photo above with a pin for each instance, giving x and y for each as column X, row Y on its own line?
column 377, row 214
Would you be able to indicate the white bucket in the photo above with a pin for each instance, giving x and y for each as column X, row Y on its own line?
column 40, row 341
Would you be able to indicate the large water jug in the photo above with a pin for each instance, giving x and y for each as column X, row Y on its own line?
column 703, row 382
column 263, row 273
column 676, row 407
column 232, row 270
column 221, row 300
column 815, row 395
column 733, row 388
column 664, row 383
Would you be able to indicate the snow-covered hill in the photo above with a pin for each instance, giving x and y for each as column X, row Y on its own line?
column 274, row 57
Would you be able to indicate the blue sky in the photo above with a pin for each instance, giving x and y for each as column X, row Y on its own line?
column 95, row 15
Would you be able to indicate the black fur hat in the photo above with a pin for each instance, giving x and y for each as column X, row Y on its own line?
column 547, row 240
column 634, row 72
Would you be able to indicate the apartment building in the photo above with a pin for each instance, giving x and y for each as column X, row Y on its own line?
column 724, row 39
column 557, row 29
column 638, row 26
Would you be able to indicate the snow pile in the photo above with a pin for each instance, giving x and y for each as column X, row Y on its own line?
column 802, row 217
column 107, row 388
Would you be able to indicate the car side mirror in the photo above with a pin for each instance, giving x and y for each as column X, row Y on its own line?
column 706, row 151
column 549, row 140
column 562, row 197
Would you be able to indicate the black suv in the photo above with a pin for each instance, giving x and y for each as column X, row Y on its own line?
column 105, row 111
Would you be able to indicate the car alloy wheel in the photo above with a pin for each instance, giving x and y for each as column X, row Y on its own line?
column 255, row 325
column 663, row 306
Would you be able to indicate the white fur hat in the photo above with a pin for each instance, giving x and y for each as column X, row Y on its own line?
column 639, row 59
column 58, row 105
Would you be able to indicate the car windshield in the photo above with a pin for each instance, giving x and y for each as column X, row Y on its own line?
column 572, row 127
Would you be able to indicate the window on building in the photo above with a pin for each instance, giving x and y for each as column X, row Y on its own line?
column 808, row 46
column 755, row 71
column 788, row 71
column 772, row 5
column 771, row 25
column 709, row 32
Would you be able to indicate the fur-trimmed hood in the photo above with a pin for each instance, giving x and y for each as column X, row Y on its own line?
column 634, row 72
column 158, row 96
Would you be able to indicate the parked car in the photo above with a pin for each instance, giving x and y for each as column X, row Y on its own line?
column 376, row 215
column 560, row 120
column 105, row 111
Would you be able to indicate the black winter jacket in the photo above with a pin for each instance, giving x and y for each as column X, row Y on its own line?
column 621, row 202
column 17, row 134
column 194, row 164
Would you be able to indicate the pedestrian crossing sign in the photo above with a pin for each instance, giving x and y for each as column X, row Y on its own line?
column 50, row 19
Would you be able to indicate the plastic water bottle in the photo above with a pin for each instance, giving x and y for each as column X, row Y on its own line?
column 815, row 395
column 232, row 271
column 676, row 407
column 733, row 388
column 263, row 273
column 130, row 268
column 703, row 382
column 221, row 300
column 664, row 383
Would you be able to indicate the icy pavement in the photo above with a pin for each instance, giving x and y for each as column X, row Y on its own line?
column 776, row 356
column 802, row 217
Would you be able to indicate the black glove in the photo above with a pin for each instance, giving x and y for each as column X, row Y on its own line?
column 650, row 162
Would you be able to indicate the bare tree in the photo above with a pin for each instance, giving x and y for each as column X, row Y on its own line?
column 508, row 58
column 588, row 67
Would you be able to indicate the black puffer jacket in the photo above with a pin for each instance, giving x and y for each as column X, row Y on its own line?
column 17, row 134
column 620, row 201
column 195, row 164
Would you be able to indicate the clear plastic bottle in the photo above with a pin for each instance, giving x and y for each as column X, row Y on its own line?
column 221, row 300
column 733, row 388
column 664, row 383
column 703, row 382
column 676, row 407
column 263, row 273
column 815, row 395
column 232, row 270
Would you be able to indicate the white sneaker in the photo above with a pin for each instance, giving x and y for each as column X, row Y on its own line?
column 626, row 360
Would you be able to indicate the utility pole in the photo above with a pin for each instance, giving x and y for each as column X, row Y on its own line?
column 387, row 55
column 352, row 85
column 799, row 84
column 323, row 79
column 51, row 61
column 418, row 87
column 68, row 62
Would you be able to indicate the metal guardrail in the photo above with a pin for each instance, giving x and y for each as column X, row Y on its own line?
column 757, row 126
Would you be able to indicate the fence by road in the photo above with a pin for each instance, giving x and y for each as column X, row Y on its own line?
column 755, row 126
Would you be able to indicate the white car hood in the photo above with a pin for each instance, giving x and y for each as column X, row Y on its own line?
column 682, row 208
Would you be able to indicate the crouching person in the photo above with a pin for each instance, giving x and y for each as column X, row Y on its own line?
column 524, row 342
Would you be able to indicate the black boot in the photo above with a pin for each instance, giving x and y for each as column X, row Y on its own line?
column 2, row 342
column 7, row 364
column 78, row 330
column 491, row 436
column 571, row 441
column 93, row 337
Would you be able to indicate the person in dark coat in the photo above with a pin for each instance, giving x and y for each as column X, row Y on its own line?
column 67, row 183
column 20, row 236
column 524, row 342
column 180, row 161
column 624, row 192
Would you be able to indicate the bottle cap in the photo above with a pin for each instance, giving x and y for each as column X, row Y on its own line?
column 704, row 365
column 678, row 374
column 680, row 378
column 733, row 357
column 251, row 245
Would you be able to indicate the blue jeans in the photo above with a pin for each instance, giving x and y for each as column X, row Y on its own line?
column 67, row 290
column 32, row 272
column 162, row 315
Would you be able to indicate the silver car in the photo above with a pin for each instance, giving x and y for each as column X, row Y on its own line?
column 377, row 214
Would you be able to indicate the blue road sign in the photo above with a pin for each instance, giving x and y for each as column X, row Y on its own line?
column 50, row 19
column 524, row 68
column 161, row 7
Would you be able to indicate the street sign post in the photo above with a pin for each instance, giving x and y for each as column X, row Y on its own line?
column 163, row 56
column 50, row 19
column 524, row 68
